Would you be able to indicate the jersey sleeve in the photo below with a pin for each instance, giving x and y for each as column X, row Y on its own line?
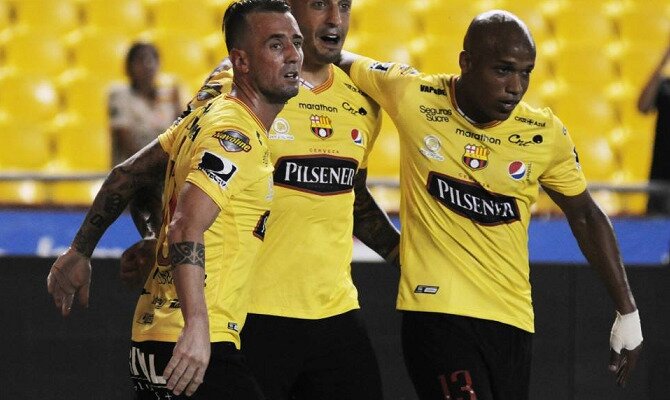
column 221, row 173
column 384, row 82
column 564, row 173
column 220, row 82
column 167, row 138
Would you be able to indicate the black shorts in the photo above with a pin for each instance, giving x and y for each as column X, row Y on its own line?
column 451, row 357
column 322, row 359
column 227, row 375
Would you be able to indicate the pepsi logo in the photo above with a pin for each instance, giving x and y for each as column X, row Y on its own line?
column 356, row 136
column 517, row 170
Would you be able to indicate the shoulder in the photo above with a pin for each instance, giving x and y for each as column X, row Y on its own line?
column 119, row 89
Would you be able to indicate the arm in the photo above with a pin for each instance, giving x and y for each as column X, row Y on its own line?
column 596, row 239
column 646, row 102
column 194, row 213
column 346, row 61
column 371, row 225
column 70, row 274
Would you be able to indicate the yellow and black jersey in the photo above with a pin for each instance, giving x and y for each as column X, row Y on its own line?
column 222, row 148
column 466, row 192
column 318, row 142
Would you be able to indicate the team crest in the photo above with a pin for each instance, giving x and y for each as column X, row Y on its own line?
column 321, row 126
column 476, row 157
column 517, row 170
column 357, row 137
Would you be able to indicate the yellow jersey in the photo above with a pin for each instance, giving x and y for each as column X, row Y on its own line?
column 466, row 192
column 222, row 149
column 318, row 142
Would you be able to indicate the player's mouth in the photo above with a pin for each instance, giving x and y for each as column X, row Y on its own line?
column 331, row 39
column 293, row 76
column 508, row 105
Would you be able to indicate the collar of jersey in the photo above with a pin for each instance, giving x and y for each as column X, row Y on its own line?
column 322, row 87
column 248, row 110
column 452, row 97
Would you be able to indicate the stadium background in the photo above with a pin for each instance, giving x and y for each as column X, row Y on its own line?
column 58, row 57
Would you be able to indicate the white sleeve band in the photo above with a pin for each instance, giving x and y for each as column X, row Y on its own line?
column 626, row 332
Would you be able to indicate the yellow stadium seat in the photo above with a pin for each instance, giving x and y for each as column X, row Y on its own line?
column 58, row 16
column 371, row 46
column 86, row 95
column 445, row 18
column 25, row 147
column 20, row 193
column 101, row 52
column 639, row 61
column 573, row 25
column 32, row 52
column 29, row 98
column 81, row 146
column 384, row 161
column 5, row 11
column 73, row 193
column 646, row 26
column 388, row 23
column 596, row 157
column 128, row 16
column 183, row 16
column 584, row 66
column 182, row 55
column 433, row 54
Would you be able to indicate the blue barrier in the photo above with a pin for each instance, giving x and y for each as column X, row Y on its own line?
column 46, row 233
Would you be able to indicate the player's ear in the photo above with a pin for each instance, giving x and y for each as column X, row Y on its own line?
column 240, row 60
column 465, row 61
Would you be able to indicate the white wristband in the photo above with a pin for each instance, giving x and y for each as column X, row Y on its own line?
column 626, row 332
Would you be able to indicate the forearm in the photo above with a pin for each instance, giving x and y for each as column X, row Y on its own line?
column 646, row 101
column 597, row 241
column 146, row 211
column 188, row 261
column 371, row 224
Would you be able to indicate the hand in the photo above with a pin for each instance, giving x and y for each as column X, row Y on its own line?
column 137, row 262
column 626, row 344
column 190, row 358
column 70, row 276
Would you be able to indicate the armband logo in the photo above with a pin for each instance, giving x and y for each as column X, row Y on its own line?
column 233, row 141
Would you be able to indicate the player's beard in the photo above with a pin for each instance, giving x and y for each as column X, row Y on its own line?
column 281, row 95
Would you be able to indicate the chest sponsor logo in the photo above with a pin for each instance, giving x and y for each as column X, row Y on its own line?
column 433, row 114
column 353, row 110
column 280, row 130
column 322, row 126
column 530, row 121
column 259, row 231
column 476, row 157
column 434, row 90
column 517, row 170
column 233, row 141
column 431, row 148
column 353, row 88
column 317, row 107
column 357, row 137
column 218, row 169
column 519, row 141
column 472, row 201
column 321, row 175
column 478, row 136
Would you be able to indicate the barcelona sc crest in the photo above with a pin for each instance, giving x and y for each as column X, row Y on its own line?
column 321, row 126
column 476, row 157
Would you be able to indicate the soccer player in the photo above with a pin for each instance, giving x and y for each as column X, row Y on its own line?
column 216, row 197
column 472, row 158
column 304, row 337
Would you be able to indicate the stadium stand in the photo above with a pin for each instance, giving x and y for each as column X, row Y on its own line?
column 57, row 58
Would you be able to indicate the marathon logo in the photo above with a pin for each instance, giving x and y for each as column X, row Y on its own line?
column 477, row 136
column 472, row 201
column 218, row 169
column 430, row 89
column 320, row 175
column 317, row 107
column 233, row 141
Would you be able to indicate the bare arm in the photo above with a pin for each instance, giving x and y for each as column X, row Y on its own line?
column 371, row 225
column 346, row 60
column 70, row 274
column 648, row 96
column 194, row 213
column 596, row 239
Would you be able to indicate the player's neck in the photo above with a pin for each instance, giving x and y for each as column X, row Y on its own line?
column 263, row 109
column 315, row 74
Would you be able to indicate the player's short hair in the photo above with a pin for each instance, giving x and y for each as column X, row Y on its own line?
column 235, row 19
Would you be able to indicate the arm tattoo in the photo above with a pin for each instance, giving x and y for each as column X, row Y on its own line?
column 187, row 253
column 371, row 225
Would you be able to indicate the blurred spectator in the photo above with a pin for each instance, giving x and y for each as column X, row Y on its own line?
column 656, row 96
column 139, row 112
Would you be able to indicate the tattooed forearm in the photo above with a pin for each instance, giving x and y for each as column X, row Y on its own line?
column 187, row 253
column 371, row 225
column 122, row 184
